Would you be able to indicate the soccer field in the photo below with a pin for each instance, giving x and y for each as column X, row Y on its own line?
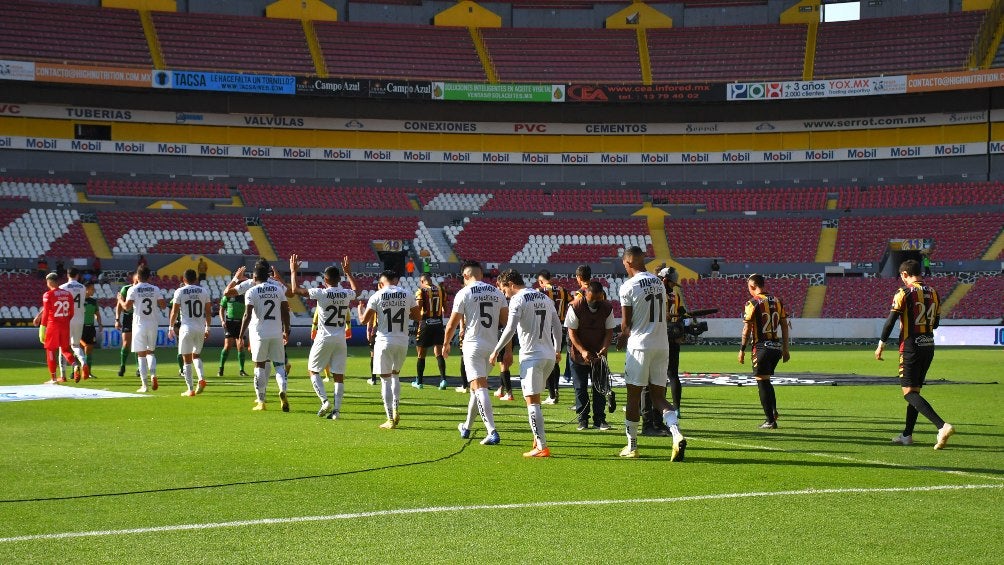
column 169, row 479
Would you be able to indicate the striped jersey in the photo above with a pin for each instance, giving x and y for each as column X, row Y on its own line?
column 765, row 313
column 919, row 309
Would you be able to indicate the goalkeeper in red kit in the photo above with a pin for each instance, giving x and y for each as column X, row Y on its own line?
column 54, row 321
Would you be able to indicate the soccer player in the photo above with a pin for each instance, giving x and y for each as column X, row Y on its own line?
column 328, row 350
column 431, row 301
column 123, row 321
column 763, row 317
column 590, row 324
column 643, row 332
column 266, row 321
column 482, row 309
column 917, row 307
column 75, row 288
column 231, row 312
column 89, row 335
column 192, row 308
column 54, row 321
column 146, row 302
column 532, row 315
column 561, row 299
column 390, row 307
column 652, row 424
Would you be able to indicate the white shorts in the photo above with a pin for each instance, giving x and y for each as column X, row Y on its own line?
column 144, row 338
column 190, row 341
column 327, row 353
column 643, row 367
column 268, row 349
column 389, row 357
column 532, row 375
column 476, row 362
column 76, row 330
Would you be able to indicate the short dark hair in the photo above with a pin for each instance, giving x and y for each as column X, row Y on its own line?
column 474, row 266
column 391, row 275
column 260, row 262
column 583, row 272
column 544, row 274
column 634, row 252
column 425, row 277
column 756, row 279
column 511, row 276
column 52, row 276
column 143, row 273
column 332, row 274
column 910, row 267
column 72, row 272
column 595, row 287
column 261, row 272
column 191, row 276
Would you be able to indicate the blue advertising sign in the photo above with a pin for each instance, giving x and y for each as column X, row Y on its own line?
column 225, row 82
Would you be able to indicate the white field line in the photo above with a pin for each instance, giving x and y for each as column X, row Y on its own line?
column 486, row 507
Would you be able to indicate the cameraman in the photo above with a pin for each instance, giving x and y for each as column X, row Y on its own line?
column 675, row 310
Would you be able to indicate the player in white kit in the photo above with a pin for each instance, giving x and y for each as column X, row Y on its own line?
column 328, row 350
column 266, row 322
column 643, row 331
column 77, row 289
column 482, row 309
column 146, row 302
column 532, row 315
column 192, row 306
column 390, row 307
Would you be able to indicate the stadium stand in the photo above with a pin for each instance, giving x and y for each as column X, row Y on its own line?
column 856, row 297
column 921, row 195
column 571, row 55
column 37, row 190
column 330, row 237
column 333, row 197
column 233, row 43
column 957, row 236
column 929, row 42
column 729, row 295
column 150, row 189
column 745, row 240
column 38, row 31
column 738, row 200
column 132, row 233
column 37, row 232
column 719, row 54
column 985, row 300
column 524, row 200
column 399, row 51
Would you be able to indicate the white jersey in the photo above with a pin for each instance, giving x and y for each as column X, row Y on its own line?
column 332, row 306
column 192, row 301
column 646, row 295
column 392, row 305
column 265, row 300
column 145, row 299
column 481, row 305
column 248, row 284
column 533, row 318
column 78, row 292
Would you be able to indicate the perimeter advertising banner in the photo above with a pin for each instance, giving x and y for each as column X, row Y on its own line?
column 223, row 82
column 640, row 93
column 955, row 81
column 481, row 92
column 17, row 70
column 830, row 88
column 364, row 88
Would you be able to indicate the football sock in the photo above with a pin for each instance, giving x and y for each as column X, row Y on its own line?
column 485, row 406
column 911, row 420
column 260, row 381
column 675, row 390
column 188, row 375
column 280, row 376
column 764, row 387
column 339, row 393
column 631, row 430
column 441, row 362
column 78, row 352
column 395, row 382
column 224, row 353
column 387, row 394
column 319, row 390
column 241, row 358
column 199, row 368
column 471, row 407
column 61, row 362
column 918, row 402
column 506, row 380
column 152, row 363
column 537, row 424
column 420, row 368
column 143, row 368
column 50, row 360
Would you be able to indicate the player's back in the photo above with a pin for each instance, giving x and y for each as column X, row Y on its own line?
column 192, row 301
column 333, row 306
column 392, row 305
column 536, row 318
column 57, row 305
column 481, row 306
column 919, row 308
column 646, row 295
column 145, row 299
column 265, row 300
column 766, row 312
column 431, row 301
column 77, row 291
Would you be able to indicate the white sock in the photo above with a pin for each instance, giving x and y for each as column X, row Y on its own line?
column 631, row 430
column 395, row 382
column 199, row 372
column 339, row 393
column 260, row 382
column 62, row 363
column 318, row 381
column 280, row 377
column 537, row 424
column 387, row 394
column 188, row 375
column 141, row 361
column 472, row 405
column 485, row 402
column 78, row 352
column 671, row 418
column 152, row 362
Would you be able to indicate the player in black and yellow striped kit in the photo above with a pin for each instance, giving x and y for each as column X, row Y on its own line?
column 765, row 325
column 561, row 299
column 431, row 299
column 917, row 307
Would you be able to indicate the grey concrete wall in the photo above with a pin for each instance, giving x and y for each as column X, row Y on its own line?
column 891, row 8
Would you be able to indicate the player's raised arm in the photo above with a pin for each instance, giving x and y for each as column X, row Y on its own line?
column 294, row 265
column 347, row 270
column 231, row 290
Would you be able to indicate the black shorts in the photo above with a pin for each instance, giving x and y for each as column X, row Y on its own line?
column 89, row 335
column 430, row 333
column 766, row 356
column 125, row 320
column 232, row 329
column 914, row 361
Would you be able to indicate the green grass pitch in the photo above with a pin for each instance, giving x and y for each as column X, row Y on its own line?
column 167, row 479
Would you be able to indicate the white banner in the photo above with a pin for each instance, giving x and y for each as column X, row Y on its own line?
column 493, row 128
column 969, row 335
column 17, row 70
column 406, row 156
column 831, row 88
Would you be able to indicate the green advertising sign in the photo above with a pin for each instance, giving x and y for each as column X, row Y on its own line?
column 478, row 92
